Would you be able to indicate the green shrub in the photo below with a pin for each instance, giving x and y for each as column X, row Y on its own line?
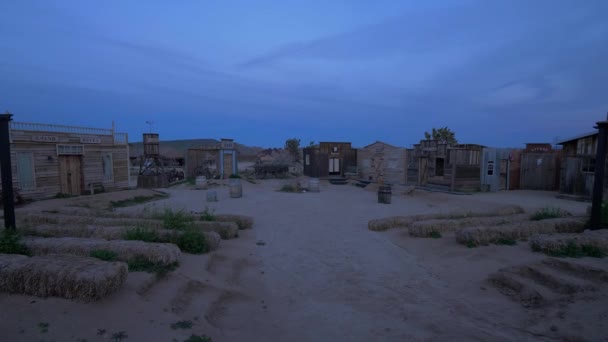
column 197, row 338
column 506, row 241
column 435, row 234
column 234, row 176
column 289, row 188
column 176, row 219
column 135, row 200
column 208, row 215
column 10, row 243
column 572, row 250
column 62, row 195
column 142, row 234
column 142, row 264
column 104, row 254
column 191, row 241
column 548, row 213
column 181, row 325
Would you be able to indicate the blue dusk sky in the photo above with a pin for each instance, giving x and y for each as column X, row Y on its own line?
column 499, row 73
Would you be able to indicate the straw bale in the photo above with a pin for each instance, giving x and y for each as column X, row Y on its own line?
column 60, row 230
column 242, row 221
column 158, row 253
column 213, row 240
column 555, row 244
column 484, row 235
column 424, row 228
column 390, row 222
column 66, row 276
column 227, row 230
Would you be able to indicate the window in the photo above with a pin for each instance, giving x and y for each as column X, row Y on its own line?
column 108, row 167
column 588, row 165
column 307, row 159
column 25, row 170
column 70, row 150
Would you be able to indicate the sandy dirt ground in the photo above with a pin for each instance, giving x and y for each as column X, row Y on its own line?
column 310, row 270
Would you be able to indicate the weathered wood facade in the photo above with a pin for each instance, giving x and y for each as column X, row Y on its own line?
column 330, row 159
column 540, row 167
column 212, row 160
column 455, row 167
column 578, row 166
column 51, row 159
column 381, row 161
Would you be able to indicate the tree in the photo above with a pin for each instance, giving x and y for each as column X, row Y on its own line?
column 293, row 147
column 443, row 135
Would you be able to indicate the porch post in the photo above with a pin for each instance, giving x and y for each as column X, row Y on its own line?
column 598, row 182
column 8, row 200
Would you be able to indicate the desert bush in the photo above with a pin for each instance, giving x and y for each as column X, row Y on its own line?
column 589, row 243
column 548, row 213
column 10, row 243
column 142, row 233
column 179, row 219
column 208, row 215
column 135, row 200
column 191, row 241
column 435, row 234
column 288, row 187
column 198, row 338
column 103, row 254
column 143, row 264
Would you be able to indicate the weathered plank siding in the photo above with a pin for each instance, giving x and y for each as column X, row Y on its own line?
column 381, row 159
column 316, row 159
column 42, row 143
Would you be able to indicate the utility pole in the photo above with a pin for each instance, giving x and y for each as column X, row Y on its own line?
column 8, row 200
column 600, row 168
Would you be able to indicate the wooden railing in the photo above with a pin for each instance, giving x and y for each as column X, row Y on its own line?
column 119, row 138
column 26, row 126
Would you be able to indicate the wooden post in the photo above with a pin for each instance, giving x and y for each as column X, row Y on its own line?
column 8, row 200
column 598, row 183
column 453, row 180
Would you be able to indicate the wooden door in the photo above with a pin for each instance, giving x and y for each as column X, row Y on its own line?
column 422, row 170
column 334, row 165
column 538, row 171
column 70, row 175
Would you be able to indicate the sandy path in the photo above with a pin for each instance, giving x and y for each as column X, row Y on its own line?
column 320, row 275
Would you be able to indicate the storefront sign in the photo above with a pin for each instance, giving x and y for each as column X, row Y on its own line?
column 90, row 140
column 45, row 138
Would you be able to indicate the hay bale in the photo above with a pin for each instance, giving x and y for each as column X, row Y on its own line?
column 425, row 228
column 517, row 231
column 227, row 230
column 157, row 253
column 59, row 230
column 590, row 241
column 66, row 276
column 242, row 221
column 213, row 240
column 390, row 222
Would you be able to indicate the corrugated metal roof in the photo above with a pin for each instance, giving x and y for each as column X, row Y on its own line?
column 580, row 136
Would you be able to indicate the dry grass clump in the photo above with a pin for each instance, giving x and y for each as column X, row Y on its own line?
column 426, row 228
column 406, row 221
column 242, row 221
column 66, row 276
column 157, row 253
column 476, row 236
column 593, row 243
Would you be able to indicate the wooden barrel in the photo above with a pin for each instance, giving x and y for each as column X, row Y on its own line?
column 313, row 185
column 211, row 196
column 236, row 188
column 201, row 182
column 384, row 194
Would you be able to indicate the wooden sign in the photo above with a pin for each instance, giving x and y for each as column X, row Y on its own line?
column 45, row 138
column 90, row 140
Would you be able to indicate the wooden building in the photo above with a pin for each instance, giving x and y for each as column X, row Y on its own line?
column 51, row 159
column 330, row 159
column 540, row 167
column 578, row 166
column 212, row 160
column 381, row 161
column 446, row 167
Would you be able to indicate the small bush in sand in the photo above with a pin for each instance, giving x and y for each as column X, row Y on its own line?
column 208, row 215
column 142, row 233
column 10, row 243
column 142, row 264
column 506, row 241
column 435, row 234
column 289, row 188
column 573, row 250
column 176, row 219
column 191, row 241
column 181, row 325
column 198, row 338
column 589, row 243
column 548, row 213
column 119, row 336
column 104, row 254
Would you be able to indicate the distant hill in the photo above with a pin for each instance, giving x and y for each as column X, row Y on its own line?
column 178, row 148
